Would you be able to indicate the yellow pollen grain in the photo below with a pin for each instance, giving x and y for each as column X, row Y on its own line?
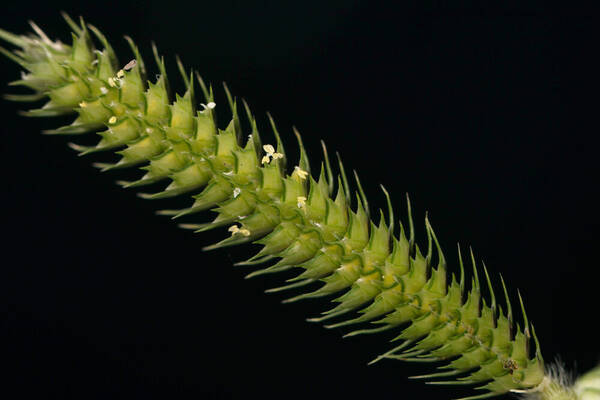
column 234, row 229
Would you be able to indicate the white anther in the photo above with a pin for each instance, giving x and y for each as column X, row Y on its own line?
column 236, row 192
column 149, row 130
column 112, row 120
column 83, row 104
column 301, row 201
column 269, row 149
column 111, row 82
column 302, row 174
column 120, row 74
column 103, row 90
column 209, row 106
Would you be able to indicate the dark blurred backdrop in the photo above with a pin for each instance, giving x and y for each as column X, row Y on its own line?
column 487, row 117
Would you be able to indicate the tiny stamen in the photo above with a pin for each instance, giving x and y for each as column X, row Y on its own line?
column 301, row 201
column 302, row 174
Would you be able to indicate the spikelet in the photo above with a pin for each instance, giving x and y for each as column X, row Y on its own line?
column 587, row 387
column 312, row 225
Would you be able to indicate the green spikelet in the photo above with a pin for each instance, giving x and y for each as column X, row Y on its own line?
column 379, row 280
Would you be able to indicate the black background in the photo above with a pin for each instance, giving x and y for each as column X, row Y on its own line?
column 487, row 117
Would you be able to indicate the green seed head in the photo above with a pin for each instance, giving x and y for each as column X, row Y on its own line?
column 317, row 227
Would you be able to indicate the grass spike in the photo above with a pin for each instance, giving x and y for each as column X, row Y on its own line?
column 297, row 219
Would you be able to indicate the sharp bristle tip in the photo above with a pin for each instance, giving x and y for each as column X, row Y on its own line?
column 76, row 147
column 103, row 167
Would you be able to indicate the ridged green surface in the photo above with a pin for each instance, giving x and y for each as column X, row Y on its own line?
column 588, row 386
column 317, row 226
